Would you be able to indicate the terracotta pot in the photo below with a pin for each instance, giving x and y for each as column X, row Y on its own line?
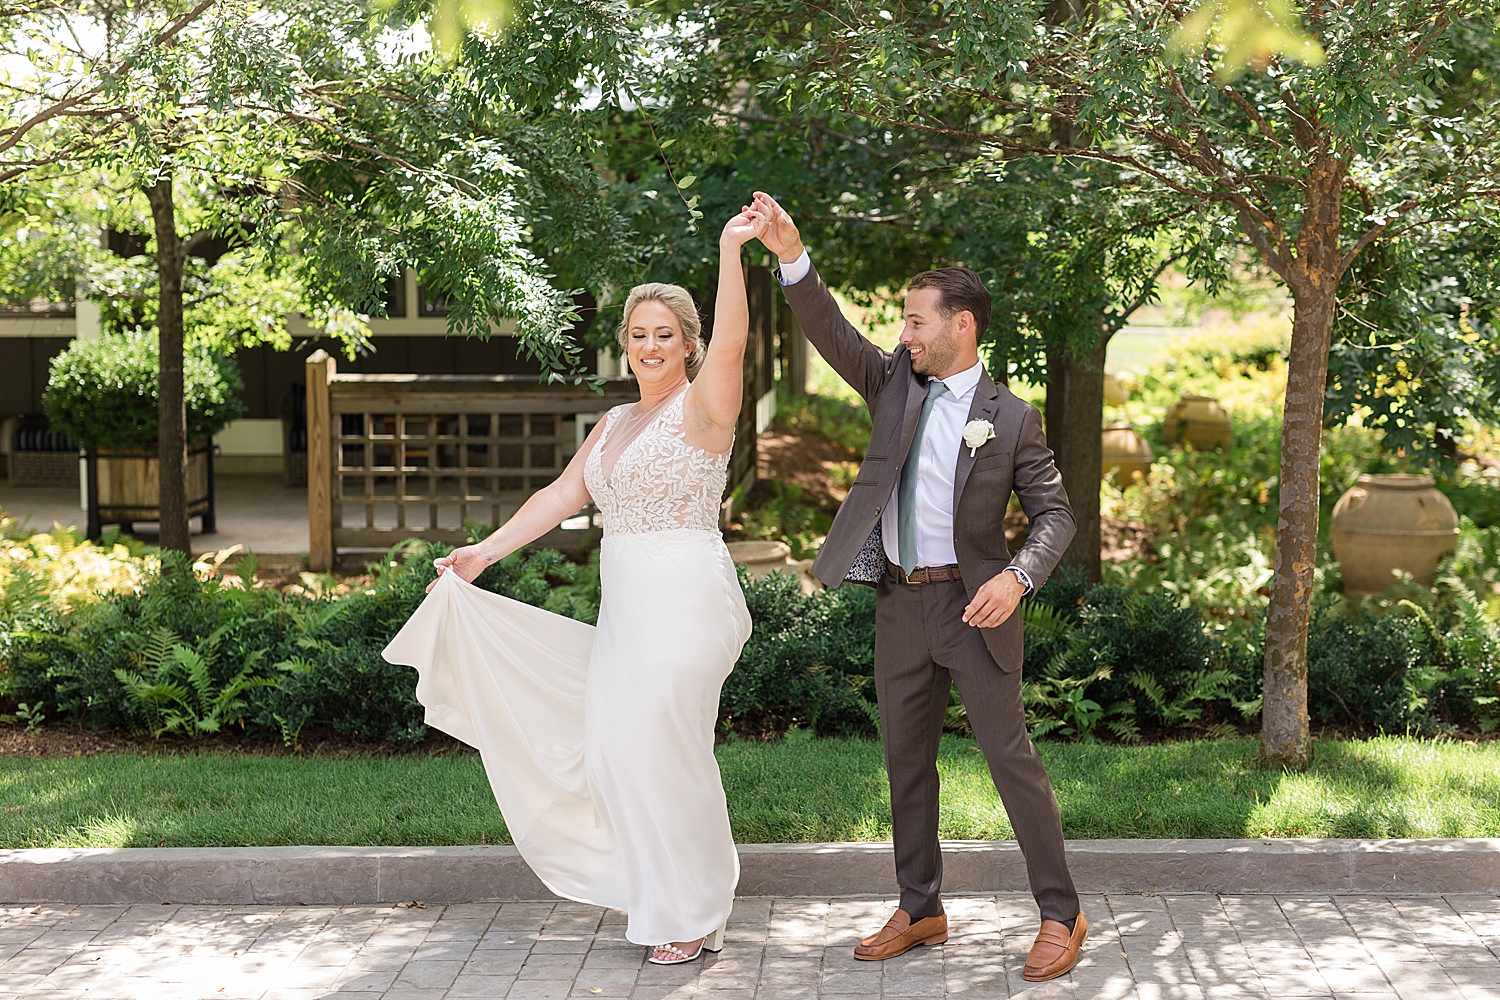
column 1388, row 523
column 1116, row 393
column 1198, row 420
column 1127, row 451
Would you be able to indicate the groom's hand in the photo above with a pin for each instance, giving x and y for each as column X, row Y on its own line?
column 781, row 236
column 995, row 601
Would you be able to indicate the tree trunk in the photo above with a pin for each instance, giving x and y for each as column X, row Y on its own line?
column 1075, row 426
column 1284, row 731
column 171, row 413
column 1314, row 285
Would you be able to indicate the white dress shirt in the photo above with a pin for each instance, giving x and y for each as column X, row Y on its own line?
column 941, row 441
column 790, row 274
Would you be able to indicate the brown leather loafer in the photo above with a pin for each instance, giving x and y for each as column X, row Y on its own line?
column 1055, row 951
column 900, row 935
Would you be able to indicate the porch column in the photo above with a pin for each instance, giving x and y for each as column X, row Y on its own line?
column 320, row 371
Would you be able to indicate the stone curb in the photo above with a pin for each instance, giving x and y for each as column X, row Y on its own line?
column 347, row 876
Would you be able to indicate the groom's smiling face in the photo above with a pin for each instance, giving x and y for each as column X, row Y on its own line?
column 932, row 337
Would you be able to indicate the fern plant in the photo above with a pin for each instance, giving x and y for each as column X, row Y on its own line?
column 1187, row 706
column 1042, row 621
column 173, row 685
column 1058, row 703
column 1461, row 658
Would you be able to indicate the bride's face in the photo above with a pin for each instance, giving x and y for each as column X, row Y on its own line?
column 655, row 345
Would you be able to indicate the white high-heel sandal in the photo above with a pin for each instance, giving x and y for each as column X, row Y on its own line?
column 713, row 942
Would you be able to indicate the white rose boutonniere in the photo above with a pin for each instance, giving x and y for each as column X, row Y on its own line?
column 976, row 433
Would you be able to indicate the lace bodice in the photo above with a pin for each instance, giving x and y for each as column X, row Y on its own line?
column 660, row 482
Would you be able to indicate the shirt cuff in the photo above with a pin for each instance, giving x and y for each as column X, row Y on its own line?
column 790, row 274
column 1023, row 577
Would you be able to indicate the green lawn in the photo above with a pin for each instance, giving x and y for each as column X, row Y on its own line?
column 814, row 790
column 1141, row 348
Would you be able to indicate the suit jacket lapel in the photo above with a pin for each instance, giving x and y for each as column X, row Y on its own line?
column 916, row 393
column 984, row 407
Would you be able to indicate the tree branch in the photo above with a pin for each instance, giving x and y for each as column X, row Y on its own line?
column 1144, row 297
column 902, row 220
column 1253, row 114
column 1372, row 234
column 1302, row 127
column 172, row 29
column 1274, row 260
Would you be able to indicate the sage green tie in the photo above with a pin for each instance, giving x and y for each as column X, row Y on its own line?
column 906, row 496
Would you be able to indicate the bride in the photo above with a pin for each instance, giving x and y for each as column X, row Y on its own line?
column 598, row 741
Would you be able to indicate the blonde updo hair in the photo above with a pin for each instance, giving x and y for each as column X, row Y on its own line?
column 677, row 299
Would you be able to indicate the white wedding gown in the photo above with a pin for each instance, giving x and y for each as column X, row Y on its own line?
column 598, row 741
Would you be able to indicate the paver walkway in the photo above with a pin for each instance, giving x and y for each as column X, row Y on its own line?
column 1143, row 947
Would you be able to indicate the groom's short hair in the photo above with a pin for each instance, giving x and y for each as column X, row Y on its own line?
column 959, row 289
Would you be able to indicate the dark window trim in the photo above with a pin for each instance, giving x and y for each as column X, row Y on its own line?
column 429, row 304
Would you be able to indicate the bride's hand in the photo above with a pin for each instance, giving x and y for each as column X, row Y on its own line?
column 748, row 225
column 468, row 562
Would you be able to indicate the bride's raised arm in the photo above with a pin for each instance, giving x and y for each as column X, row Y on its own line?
column 713, row 401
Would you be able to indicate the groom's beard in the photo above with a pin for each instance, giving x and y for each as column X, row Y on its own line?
column 938, row 354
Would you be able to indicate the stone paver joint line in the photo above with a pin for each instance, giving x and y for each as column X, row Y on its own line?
column 1168, row 946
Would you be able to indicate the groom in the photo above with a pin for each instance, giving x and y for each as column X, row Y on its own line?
column 923, row 521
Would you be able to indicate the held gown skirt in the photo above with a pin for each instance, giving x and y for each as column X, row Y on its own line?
column 598, row 741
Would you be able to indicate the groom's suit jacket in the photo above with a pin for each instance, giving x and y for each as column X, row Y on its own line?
column 1016, row 460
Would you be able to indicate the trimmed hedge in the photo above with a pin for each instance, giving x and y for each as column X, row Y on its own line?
column 102, row 392
column 1100, row 659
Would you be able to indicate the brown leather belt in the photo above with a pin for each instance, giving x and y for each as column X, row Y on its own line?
column 931, row 574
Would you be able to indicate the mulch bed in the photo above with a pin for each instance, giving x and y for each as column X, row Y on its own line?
column 1122, row 541
column 74, row 741
column 803, row 459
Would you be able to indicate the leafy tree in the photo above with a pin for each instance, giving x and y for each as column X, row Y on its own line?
column 336, row 147
column 1071, row 251
column 51, row 249
column 1069, row 248
column 1416, row 349
column 1383, row 135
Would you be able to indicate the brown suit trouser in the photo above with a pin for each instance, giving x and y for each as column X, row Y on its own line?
column 921, row 646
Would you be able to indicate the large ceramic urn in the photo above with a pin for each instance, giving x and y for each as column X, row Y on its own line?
column 1127, row 451
column 761, row 559
column 1116, row 391
column 1388, row 523
column 1198, row 420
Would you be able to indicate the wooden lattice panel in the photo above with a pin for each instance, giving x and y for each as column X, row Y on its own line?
column 420, row 456
column 424, row 469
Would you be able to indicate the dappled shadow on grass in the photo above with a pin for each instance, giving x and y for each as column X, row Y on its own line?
column 1386, row 787
column 1170, row 790
column 787, row 791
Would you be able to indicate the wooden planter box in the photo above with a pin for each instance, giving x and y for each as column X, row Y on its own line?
column 123, row 487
